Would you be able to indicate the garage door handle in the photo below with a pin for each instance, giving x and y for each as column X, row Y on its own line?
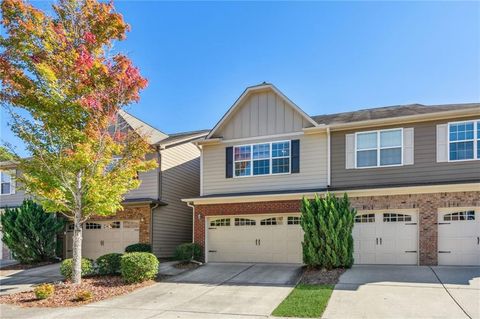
column 444, row 252
column 444, row 223
column 478, row 240
column 377, row 240
column 380, row 240
column 212, row 251
column 410, row 251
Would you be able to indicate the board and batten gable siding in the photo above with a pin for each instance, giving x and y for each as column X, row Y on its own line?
column 172, row 224
column 149, row 187
column 425, row 168
column 262, row 113
column 16, row 199
column 313, row 168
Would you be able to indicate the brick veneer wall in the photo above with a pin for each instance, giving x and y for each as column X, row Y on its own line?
column 141, row 213
column 427, row 205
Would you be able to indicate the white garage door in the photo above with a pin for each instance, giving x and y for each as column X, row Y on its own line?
column 459, row 237
column 389, row 237
column 275, row 239
column 103, row 237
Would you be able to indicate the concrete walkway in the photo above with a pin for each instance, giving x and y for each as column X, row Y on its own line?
column 12, row 281
column 406, row 292
column 210, row 291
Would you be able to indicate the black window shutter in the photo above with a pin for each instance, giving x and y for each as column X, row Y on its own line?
column 229, row 162
column 295, row 156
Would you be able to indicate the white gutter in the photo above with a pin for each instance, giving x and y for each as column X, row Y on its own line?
column 189, row 204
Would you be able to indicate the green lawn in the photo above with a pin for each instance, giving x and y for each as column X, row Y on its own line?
column 307, row 301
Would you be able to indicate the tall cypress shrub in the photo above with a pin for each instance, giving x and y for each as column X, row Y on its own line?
column 327, row 224
column 30, row 233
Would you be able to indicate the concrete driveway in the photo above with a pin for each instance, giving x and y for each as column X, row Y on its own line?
column 216, row 290
column 406, row 292
column 19, row 280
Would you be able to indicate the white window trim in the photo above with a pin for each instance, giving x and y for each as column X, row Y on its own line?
column 11, row 182
column 379, row 148
column 475, row 139
column 270, row 159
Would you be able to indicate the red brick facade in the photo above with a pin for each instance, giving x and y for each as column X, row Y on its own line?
column 427, row 205
column 141, row 213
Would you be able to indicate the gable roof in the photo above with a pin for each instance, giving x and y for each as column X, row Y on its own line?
column 252, row 89
column 151, row 134
column 181, row 137
column 390, row 112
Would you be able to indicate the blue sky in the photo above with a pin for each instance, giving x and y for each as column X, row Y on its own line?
column 327, row 57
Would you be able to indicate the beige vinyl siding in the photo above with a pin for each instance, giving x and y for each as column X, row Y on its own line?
column 263, row 113
column 149, row 183
column 313, row 168
column 15, row 199
column 425, row 168
column 172, row 224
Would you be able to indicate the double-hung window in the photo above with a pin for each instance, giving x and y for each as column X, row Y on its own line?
column 6, row 183
column 379, row 148
column 464, row 140
column 262, row 159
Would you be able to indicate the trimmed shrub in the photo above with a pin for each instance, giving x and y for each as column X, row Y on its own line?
column 139, row 248
column 30, row 233
column 138, row 267
column 66, row 267
column 44, row 291
column 327, row 224
column 109, row 264
column 84, row 295
column 188, row 251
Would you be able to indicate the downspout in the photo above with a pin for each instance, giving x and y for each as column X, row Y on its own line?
column 329, row 152
column 159, row 192
column 193, row 220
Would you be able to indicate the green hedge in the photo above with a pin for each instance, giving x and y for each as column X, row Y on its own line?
column 327, row 224
column 66, row 268
column 140, row 247
column 109, row 264
column 138, row 267
column 188, row 251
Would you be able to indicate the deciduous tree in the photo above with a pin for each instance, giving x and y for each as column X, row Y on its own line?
column 61, row 70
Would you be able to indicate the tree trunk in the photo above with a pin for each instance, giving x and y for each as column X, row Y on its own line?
column 77, row 250
column 77, row 233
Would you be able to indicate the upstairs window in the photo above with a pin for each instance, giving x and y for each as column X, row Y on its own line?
column 262, row 159
column 6, row 183
column 464, row 140
column 379, row 148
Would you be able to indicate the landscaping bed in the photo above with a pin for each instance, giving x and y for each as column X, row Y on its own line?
column 101, row 287
column 313, row 276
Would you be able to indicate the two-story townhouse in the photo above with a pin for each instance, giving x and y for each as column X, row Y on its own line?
column 412, row 172
column 152, row 213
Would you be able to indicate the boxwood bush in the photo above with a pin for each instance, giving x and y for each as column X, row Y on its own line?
column 188, row 251
column 140, row 247
column 66, row 268
column 138, row 267
column 109, row 264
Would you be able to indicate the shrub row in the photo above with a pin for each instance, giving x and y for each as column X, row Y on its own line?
column 134, row 267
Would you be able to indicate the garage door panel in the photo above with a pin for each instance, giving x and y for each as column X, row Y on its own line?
column 458, row 236
column 255, row 239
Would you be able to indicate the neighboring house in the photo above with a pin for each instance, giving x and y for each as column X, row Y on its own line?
column 412, row 172
column 154, row 212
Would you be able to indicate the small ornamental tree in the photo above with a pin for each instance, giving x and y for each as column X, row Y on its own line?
column 30, row 233
column 327, row 224
column 60, row 70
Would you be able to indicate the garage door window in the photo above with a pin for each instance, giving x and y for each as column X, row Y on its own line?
column 220, row 222
column 465, row 215
column 365, row 218
column 113, row 225
column 93, row 226
column 244, row 222
column 271, row 221
column 293, row 220
column 392, row 217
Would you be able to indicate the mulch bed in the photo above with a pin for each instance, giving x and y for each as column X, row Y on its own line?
column 314, row 276
column 186, row 265
column 102, row 287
